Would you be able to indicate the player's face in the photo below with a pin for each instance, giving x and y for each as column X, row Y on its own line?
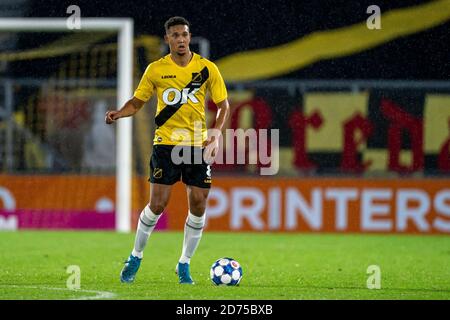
column 178, row 39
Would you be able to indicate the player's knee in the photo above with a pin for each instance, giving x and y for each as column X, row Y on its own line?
column 197, row 202
column 158, row 206
column 158, row 202
column 198, row 199
column 198, row 211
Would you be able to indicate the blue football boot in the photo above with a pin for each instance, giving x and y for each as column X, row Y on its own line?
column 128, row 272
column 184, row 275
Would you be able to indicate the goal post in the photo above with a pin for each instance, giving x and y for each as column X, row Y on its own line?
column 124, row 27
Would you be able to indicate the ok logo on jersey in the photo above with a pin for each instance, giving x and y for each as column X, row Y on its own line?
column 173, row 96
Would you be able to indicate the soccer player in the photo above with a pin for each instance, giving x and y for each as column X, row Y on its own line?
column 180, row 80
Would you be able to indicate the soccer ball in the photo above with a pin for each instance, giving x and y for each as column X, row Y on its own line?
column 226, row 271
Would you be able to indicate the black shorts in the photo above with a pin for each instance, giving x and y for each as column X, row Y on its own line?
column 192, row 170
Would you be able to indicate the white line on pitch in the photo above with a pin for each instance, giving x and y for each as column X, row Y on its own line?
column 99, row 294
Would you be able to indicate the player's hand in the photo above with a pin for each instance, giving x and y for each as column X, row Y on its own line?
column 111, row 116
column 211, row 149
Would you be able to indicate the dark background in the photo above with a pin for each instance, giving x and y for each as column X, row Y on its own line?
column 233, row 26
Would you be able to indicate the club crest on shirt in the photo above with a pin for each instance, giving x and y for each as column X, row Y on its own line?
column 196, row 77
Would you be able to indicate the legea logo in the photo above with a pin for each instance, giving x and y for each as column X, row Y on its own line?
column 174, row 96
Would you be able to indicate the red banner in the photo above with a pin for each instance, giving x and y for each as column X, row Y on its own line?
column 420, row 206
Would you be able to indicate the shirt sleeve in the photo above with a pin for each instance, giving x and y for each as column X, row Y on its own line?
column 145, row 88
column 217, row 86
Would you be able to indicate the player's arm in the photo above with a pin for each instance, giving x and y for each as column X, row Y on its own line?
column 219, row 96
column 212, row 143
column 223, row 111
column 142, row 94
column 129, row 109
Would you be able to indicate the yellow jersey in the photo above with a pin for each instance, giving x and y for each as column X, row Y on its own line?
column 181, row 91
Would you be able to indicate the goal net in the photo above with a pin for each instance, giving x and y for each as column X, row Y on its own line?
column 61, row 166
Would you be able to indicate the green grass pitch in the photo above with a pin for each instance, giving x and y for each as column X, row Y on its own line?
column 276, row 266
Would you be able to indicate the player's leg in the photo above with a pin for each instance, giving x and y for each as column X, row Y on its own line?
column 159, row 197
column 197, row 178
column 193, row 230
column 195, row 221
column 163, row 174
